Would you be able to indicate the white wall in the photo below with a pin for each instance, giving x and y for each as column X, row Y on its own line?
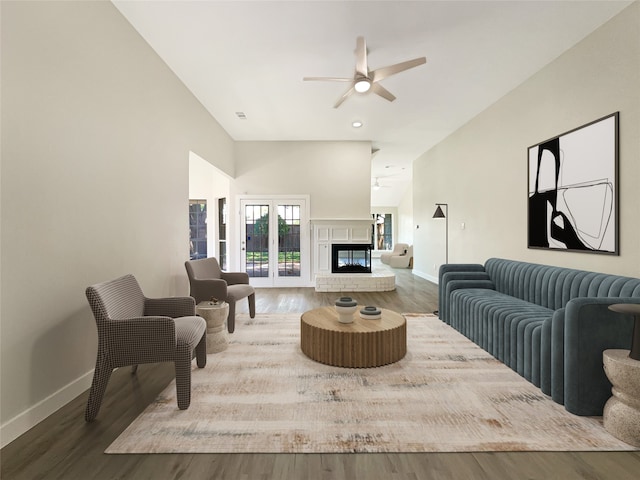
column 481, row 169
column 405, row 222
column 335, row 175
column 206, row 182
column 96, row 134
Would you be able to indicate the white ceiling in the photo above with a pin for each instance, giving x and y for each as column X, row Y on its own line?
column 251, row 56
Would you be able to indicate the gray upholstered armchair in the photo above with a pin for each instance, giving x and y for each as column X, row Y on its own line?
column 133, row 329
column 207, row 280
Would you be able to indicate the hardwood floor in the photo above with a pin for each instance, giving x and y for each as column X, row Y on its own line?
column 65, row 447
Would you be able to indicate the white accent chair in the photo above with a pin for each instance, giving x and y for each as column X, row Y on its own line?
column 399, row 257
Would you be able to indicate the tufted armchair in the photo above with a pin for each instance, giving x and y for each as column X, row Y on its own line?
column 207, row 280
column 133, row 329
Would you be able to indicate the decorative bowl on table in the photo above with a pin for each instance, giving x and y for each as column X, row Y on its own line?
column 371, row 313
column 346, row 307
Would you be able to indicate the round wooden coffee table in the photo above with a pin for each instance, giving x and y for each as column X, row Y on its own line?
column 361, row 344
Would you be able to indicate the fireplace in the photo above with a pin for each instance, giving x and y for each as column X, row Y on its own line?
column 350, row 258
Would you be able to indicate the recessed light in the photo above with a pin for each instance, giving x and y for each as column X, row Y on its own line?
column 356, row 124
column 241, row 115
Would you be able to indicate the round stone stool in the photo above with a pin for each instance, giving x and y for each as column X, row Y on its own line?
column 215, row 315
column 621, row 414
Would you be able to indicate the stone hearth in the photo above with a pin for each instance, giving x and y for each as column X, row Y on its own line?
column 378, row 281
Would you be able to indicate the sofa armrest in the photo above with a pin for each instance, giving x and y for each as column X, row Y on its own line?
column 589, row 329
column 466, row 281
column 448, row 268
column 460, row 267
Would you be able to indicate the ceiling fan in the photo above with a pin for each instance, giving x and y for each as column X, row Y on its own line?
column 365, row 80
column 377, row 186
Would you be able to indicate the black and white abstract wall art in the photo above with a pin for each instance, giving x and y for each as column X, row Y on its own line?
column 573, row 189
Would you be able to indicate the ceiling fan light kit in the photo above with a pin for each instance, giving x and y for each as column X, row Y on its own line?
column 362, row 85
column 365, row 80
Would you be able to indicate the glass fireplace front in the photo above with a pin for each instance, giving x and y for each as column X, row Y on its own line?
column 351, row 258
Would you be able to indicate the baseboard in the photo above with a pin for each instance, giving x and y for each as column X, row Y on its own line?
column 28, row 419
column 426, row 276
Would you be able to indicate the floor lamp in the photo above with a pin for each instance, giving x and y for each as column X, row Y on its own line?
column 440, row 214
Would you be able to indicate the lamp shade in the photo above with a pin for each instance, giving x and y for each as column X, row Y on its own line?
column 440, row 214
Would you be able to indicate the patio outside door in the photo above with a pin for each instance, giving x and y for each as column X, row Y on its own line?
column 275, row 241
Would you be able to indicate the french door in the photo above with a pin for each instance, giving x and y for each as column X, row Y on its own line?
column 275, row 241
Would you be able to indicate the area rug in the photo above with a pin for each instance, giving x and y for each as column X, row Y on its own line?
column 263, row 395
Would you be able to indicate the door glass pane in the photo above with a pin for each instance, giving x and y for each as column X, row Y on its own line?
column 288, row 240
column 197, row 229
column 222, row 233
column 256, row 219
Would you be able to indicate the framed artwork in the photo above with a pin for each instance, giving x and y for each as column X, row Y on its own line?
column 573, row 189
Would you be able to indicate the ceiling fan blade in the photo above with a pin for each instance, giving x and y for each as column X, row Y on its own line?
column 327, row 79
column 383, row 92
column 385, row 72
column 361, row 57
column 344, row 97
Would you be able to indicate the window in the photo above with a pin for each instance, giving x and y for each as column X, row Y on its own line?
column 197, row 229
column 382, row 234
column 222, row 233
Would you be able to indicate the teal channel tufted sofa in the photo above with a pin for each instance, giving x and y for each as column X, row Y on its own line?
column 549, row 324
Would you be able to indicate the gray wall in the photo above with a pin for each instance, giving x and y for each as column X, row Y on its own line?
column 96, row 134
column 481, row 169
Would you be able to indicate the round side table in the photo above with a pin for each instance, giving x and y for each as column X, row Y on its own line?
column 621, row 416
column 631, row 309
column 215, row 315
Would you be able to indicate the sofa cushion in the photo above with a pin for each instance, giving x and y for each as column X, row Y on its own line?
column 507, row 327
